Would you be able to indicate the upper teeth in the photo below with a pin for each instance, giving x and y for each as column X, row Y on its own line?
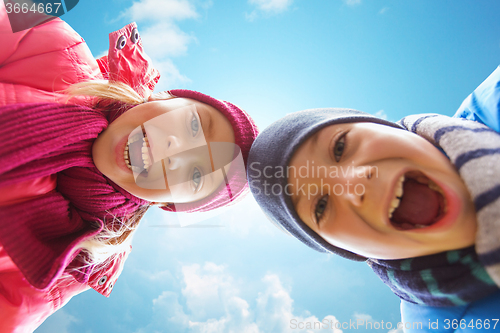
column 146, row 160
column 398, row 193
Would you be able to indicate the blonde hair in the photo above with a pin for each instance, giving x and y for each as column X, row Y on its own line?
column 116, row 235
column 97, row 92
column 114, row 238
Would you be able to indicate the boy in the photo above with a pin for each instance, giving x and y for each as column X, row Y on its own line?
column 420, row 206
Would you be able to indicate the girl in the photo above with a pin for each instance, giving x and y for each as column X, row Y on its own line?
column 417, row 200
column 72, row 176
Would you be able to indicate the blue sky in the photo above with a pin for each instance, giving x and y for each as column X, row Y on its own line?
column 236, row 272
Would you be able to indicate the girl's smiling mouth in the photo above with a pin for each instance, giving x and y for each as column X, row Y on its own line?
column 417, row 203
column 137, row 154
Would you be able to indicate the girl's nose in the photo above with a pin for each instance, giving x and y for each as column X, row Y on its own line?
column 173, row 148
column 172, row 145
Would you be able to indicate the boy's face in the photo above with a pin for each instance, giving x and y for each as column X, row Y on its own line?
column 380, row 192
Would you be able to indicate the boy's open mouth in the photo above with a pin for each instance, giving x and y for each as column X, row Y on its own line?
column 136, row 154
column 418, row 202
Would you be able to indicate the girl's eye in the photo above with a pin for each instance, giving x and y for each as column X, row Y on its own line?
column 338, row 149
column 196, row 178
column 195, row 125
column 320, row 208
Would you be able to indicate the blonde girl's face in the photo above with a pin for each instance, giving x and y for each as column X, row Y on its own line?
column 163, row 150
column 380, row 192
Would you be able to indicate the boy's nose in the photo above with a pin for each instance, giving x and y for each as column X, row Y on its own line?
column 356, row 183
column 355, row 196
column 364, row 172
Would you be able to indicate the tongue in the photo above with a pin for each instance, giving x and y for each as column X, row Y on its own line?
column 419, row 204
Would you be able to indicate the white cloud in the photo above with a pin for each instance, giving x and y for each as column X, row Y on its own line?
column 102, row 54
column 157, row 25
column 275, row 311
column 170, row 75
column 271, row 6
column 240, row 225
column 381, row 114
column 267, row 8
column 352, row 2
column 157, row 276
column 383, row 10
column 160, row 10
column 213, row 304
column 161, row 36
column 60, row 321
column 396, row 330
column 252, row 16
column 362, row 316
column 165, row 39
column 167, row 312
column 207, row 289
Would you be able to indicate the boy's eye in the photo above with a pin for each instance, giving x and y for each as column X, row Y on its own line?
column 320, row 208
column 196, row 178
column 195, row 125
column 338, row 149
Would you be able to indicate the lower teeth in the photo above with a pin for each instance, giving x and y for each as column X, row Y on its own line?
column 126, row 157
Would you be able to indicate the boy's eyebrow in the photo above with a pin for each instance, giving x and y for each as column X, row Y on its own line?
column 312, row 147
column 314, row 139
column 296, row 200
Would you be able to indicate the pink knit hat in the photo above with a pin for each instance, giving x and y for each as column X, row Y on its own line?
column 245, row 132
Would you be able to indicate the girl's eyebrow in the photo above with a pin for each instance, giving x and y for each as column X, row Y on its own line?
column 209, row 124
column 207, row 120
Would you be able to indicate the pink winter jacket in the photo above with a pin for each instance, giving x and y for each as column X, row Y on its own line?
column 34, row 65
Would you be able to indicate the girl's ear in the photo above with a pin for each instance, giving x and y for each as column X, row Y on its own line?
column 162, row 95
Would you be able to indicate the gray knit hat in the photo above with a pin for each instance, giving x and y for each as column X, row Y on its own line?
column 273, row 150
